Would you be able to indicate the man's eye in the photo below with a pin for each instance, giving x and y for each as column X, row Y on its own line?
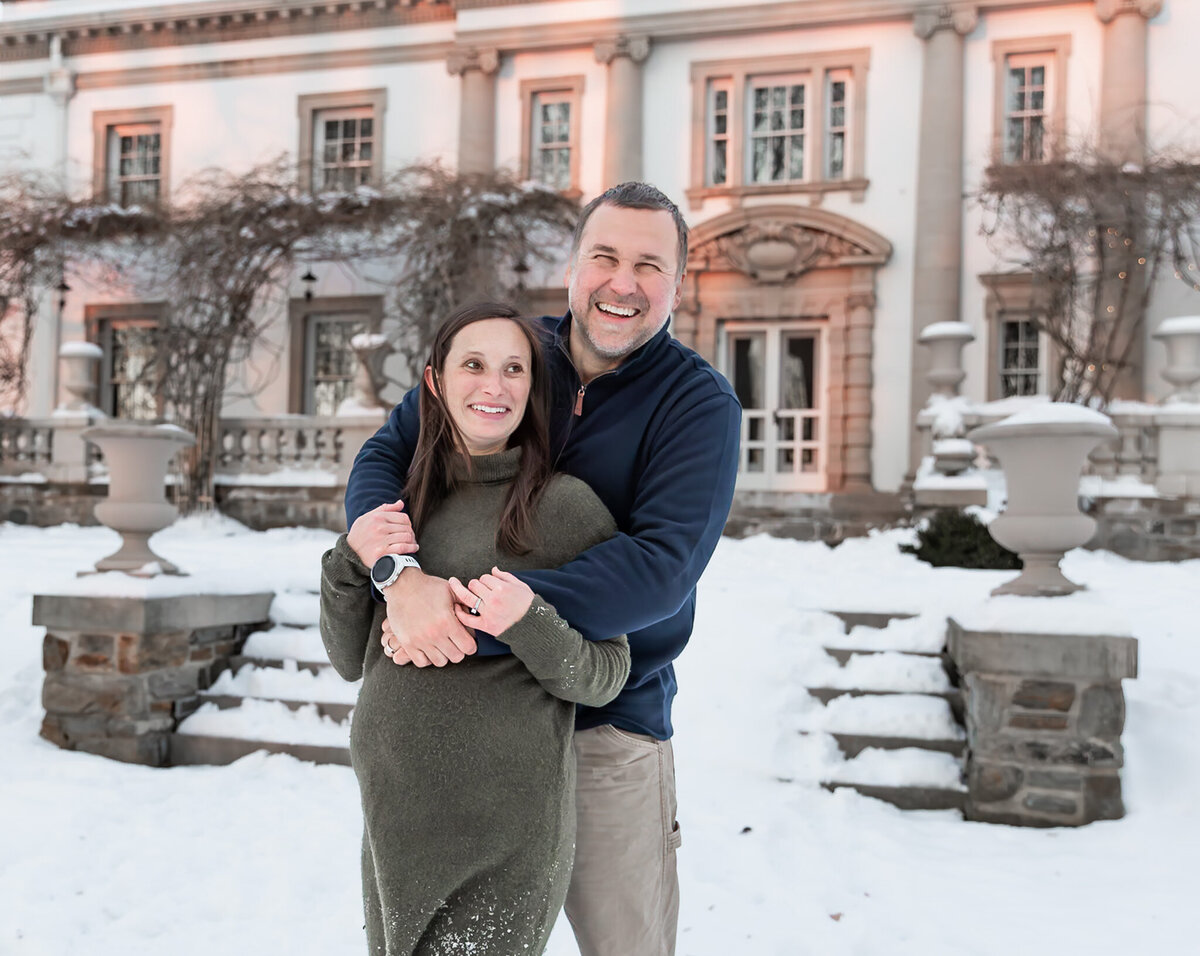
column 648, row 267
column 605, row 258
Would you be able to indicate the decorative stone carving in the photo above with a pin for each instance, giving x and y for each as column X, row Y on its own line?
column 774, row 251
column 929, row 20
column 1109, row 10
column 946, row 341
column 1181, row 336
column 637, row 48
column 487, row 61
column 80, row 362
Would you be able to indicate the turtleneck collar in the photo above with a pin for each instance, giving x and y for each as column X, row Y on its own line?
column 501, row 466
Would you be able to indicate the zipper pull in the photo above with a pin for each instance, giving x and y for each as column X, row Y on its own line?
column 579, row 401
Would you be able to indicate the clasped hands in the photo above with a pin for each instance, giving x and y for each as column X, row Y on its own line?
column 429, row 620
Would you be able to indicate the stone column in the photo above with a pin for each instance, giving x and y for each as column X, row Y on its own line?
column 937, row 258
column 1122, row 136
column 1044, row 714
column 1123, row 77
column 860, row 326
column 624, row 56
column 477, row 108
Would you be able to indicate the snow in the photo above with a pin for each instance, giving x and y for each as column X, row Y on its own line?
column 368, row 340
column 262, row 856
column 1078, row 613
column 908, row 766
column 283, row 478
column 954, row 446
column 1179, row 325
column 1123, row 486
column 85, row 349
column 278, row 643
column 25, row 478
column 267, row 720
column 1056, row 413
column 946, row 330
column 286, row 683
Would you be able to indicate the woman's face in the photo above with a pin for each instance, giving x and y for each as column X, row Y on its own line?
column 485, row 383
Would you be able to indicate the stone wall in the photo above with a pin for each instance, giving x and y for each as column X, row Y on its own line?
column 1044, row 716
column 44, row 504
column 815, row 517
column 1147, row 529
column 120, row 672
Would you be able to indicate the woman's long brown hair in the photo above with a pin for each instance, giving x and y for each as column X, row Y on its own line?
column 440, row 444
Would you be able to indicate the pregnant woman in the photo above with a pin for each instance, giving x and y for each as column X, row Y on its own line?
column 467, row 771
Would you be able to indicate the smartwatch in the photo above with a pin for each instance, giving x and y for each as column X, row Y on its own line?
column 387, row 568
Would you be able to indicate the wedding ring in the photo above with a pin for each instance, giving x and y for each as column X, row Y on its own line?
column 474, row 611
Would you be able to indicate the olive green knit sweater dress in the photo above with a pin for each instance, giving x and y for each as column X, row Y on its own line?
column 467, row 772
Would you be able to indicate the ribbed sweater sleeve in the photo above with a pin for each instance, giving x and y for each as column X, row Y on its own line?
column 567, row 666
column 347, row 609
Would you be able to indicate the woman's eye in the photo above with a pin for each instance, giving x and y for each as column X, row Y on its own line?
column 473, row 364
column 515, row 369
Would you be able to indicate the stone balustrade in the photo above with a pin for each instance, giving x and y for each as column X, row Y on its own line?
column 270, row 470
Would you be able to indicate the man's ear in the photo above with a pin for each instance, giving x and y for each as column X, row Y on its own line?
column 429, row 379
column 678, row 292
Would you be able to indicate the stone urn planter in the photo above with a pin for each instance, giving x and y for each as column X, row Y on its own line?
column 1041, row 451
column 137, row 457
column 1181, row 336
column 945, row 341
column 79, row 362
column 370, row 349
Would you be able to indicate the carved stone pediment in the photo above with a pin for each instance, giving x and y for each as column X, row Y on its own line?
column 775, row 251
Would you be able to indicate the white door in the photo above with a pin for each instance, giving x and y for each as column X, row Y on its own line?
column 777, row 371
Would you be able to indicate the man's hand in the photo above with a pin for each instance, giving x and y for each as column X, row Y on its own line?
column 421, row 622
column 383, row 530
column 500, row 598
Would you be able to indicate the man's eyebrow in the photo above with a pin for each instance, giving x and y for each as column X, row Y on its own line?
column 642, row 257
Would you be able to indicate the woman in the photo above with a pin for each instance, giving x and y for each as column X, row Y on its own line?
column 467, row 771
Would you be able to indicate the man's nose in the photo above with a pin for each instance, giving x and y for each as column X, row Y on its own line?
column 623, row 281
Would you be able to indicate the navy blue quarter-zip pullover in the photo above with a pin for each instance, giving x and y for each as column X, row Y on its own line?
column 657, row 439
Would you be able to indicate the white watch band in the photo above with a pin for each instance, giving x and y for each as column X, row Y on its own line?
column 402, row 561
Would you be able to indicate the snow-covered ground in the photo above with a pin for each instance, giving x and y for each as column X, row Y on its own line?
column 261, row 857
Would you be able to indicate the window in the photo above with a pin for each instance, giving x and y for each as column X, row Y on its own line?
column 550, row 147
column 131, row 155
column 1020, row 367
column 323, row 365
column 1030, row 98
column 329, row 360
column 777, row 130
column 130, row 375
column 344, row 149
column 779, row 124
column 1021, row 358
column 341, row 139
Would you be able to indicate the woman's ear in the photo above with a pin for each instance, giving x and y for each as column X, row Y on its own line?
column 429, row 379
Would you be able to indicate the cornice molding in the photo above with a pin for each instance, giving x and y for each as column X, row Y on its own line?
column 1109, row 10
column 214, row 21
column 259, row 66
column 929, row 20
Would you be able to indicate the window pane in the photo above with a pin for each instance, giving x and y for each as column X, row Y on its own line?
column 719, row 124
column 796, row 166
column 778, row 97
column 1037, row 100
column 838, row 91
column 347, row 151
column 331, row 129
column 760, row 121
column 719, row 173
column 837, row 159
column 837, row 116
column 366, row 127
column 760, row 97
column 331, row 152
column 797, row 119
column 1035, row 139
column 777, row 120
column 759, row 164
column 364, row 151
column 348, row 127
column 721, row 100
column 1038, row 76
column 778, row 152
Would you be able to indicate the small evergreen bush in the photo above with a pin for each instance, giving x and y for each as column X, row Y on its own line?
column 954, row 539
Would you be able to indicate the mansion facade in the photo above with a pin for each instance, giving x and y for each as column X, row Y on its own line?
column 824, row 152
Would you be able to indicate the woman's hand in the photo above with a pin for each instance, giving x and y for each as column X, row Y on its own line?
column 501, row 599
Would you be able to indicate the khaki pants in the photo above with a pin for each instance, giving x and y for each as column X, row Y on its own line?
column 624, row 895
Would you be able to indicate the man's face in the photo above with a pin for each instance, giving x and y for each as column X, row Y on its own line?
column 624, row 283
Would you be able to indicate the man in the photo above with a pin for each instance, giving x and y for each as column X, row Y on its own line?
column 654, row 430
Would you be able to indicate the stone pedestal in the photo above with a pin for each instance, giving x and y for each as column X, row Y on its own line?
column 122, row 671
column 1044, row 717
column 1178, row 450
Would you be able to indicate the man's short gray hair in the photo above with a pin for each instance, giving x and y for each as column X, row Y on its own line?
column 636, row 196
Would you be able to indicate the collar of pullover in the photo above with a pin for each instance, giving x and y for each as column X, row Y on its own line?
column 562, row 339
column 485, row 469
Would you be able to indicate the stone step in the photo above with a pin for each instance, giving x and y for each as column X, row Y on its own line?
column 238, row 661
column 843, row 654
column 284, row 642
column 952, row 697
column 334, row 711
column 193, row 749
column 296, row 608
column 851, row 745
column 876, row 713
column 285, row 680
column 907, row 798
column 877, row 619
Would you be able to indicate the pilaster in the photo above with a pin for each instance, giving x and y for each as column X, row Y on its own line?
column 939, row 204
column 623, row 55
column 477, row 107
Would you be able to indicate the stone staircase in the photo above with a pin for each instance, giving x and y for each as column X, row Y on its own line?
column 889, row 699
column 280, row 694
